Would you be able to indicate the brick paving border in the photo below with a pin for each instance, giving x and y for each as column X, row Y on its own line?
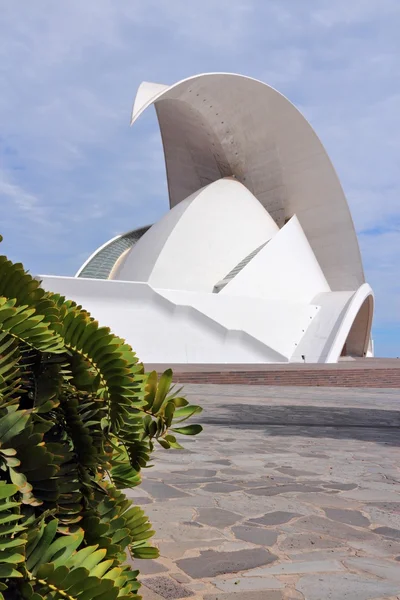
column 367, row 373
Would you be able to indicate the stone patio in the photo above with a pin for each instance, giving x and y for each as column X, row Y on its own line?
column 289, row 494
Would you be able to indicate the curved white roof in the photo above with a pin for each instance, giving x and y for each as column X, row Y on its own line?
column 219, row 125
column 102, row 261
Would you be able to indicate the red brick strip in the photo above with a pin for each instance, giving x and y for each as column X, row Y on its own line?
column 364, row 378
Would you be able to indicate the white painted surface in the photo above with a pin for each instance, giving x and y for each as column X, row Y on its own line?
column 160, row 331
column 285, row 269
column 200, row 240
column 327, row 334
column 278, row 324
column 220, row 124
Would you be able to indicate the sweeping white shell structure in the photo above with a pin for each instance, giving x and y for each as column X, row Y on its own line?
column 257, row 260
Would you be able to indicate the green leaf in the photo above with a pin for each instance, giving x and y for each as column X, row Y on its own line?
column 7, row 490
column 49, row 533
column 188, row 429
column 12, row 424
column 181, row 414
column 9, row 571
column 162, row 390
column 145, row 553
column 164, row 443
column 171, row 439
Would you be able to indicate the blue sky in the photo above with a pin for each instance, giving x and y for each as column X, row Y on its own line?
column 73, row 173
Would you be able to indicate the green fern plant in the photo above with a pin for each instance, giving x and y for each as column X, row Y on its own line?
column 79, row 419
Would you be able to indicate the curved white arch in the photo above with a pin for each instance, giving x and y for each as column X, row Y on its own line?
column 218, row 125
column 363, row 294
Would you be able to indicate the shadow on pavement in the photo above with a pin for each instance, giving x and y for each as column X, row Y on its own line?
column 373, row 425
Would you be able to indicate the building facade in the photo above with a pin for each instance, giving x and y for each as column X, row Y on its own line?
column 257, row 260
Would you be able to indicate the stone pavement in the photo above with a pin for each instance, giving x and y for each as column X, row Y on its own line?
column 289, row 494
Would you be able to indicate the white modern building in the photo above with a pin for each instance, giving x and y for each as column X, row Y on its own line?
column 257, row 260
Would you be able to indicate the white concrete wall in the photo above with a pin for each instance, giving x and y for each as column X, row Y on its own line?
column 278, row 324
column 200, row 240
column 286, row 269
column 159, row 330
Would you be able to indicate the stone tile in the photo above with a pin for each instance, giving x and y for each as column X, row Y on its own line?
column 150, row 567
column 198, row 472
column 317, row 566
column 350, row 517
column 344, row 587
column 174, row 550
column 339, row 486
column 393, row 534
column 383, row 517
column 161, row 491
column 235, row 584
column 211, row 563
column 230, row 546
column 221, row 488
column 283, row 489
column 180, row 577
column 167, row 588
column 255, row 535
column 143, row 500
column 219, row 461
column 192, row 524
column 295, row 472
column 313, row 455
column 381, row 547
column 372, row 495
column 216, row 517
column 332, row 529
column 321, row 555
column 270, row 595
column 375, row 566
column 331, row 500
column 148, row 594
column 307, row 541
column 391, row 507
column 273, row 518
column 233, row 472
column 196, row 587
column 186, row 533
column 205, row 501
column 252, row 483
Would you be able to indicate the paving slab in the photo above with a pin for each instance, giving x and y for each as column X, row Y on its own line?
column 211, row 563
column 381, row 568
column 289, row 487
column 222, row 488
column 351, row 517
column 308, row 541
column 270, row 595
column 255, row 535
column 247, row 584
column 389, row 532
column 276, row 517
column 161, row 491
column 332, row 529
column 167, row 588
column 316, row 566
column 216, row 517
column 344, row 587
